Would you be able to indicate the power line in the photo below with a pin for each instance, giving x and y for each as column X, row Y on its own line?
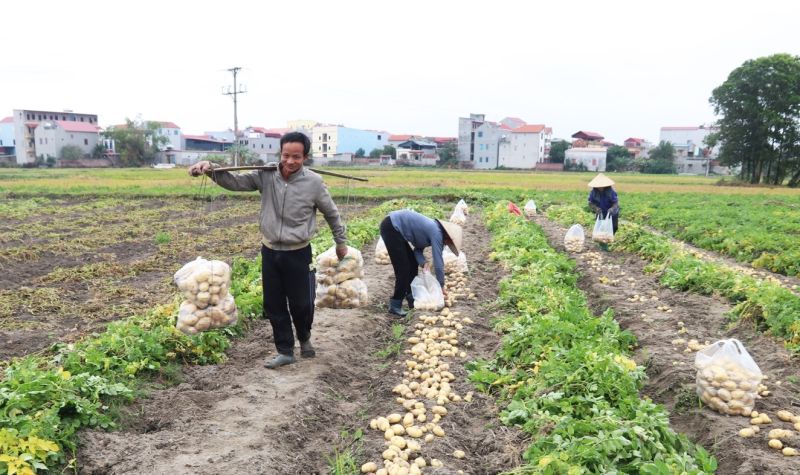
column 235, row 92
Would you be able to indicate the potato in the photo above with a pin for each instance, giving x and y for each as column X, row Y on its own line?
column 749, row 432
column 398, row 442
column 785, row 416
column 789, row 452
column 775, row 444
column 369, row 467
column 394, row 418
column 459, row 454
column 203, row 324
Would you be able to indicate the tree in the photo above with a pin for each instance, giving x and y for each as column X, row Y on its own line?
column 759, row 128
column 375, row 153
column 448, row 155
column 99, row 150
column 70, row 152
column 557, row 150
column 136, row 142
column 390, row 150
column 618, row 159
column 360, row 152
column 661, row 160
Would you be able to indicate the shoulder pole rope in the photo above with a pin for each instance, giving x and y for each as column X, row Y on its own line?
column 274, row 167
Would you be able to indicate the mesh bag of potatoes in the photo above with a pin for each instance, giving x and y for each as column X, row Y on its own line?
column 339, row 284
column 454, row 263
column 573, row 240
column 381, row 253
column 427, row 292
column 727, row 377
column 207, row 302
column 530, row 209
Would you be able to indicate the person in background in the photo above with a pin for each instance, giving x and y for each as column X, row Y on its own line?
column 290, row 197
column 404, row 227
column 603, row 199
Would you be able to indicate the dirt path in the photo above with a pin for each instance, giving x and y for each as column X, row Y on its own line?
column 789, row 282
column 670, row 366
column 241, row 418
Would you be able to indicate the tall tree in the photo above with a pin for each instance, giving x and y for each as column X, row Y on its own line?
column 448, row 155
column 759, row 128
column 360, row 152
column 136, row 142
column 661, row 159
column 557, row 150
column 390, row 150
column 618, row 159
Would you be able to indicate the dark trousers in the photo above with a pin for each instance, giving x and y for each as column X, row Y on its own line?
column 402, row 256
column 288, row 287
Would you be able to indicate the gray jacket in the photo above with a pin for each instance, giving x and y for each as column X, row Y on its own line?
column 288, row 207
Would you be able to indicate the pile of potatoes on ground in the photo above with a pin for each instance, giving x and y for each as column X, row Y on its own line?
column 207, row 302
column 779, row 439
column 424, row 394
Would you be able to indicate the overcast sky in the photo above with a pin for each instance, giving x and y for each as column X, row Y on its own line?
column 621, row 68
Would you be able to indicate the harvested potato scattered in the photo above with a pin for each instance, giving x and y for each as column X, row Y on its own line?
column 785, row 416
column 369, row 467
column 749, row 432
column 459, row 454
column 775, row 444
column 789, row 452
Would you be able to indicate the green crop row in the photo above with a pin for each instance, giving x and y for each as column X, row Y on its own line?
column 566, row 374
column 760, row 230
column 771, row 306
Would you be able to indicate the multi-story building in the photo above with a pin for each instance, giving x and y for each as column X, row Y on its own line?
column 638, row 148
column 587, row 149
column 7, row 136
column 692, row 155
column 523, row 147
column 51, row 136
column 25, row 124
column 417, row 152
column 172, row 132
column 330, row 140
column 478, row 141
column 262, row 142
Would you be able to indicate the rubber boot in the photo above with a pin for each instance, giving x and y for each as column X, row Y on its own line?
column 280, row 360
column 396, row 307
column 307, row 349
column 410, row 300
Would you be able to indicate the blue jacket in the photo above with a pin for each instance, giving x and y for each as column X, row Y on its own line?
column 421, row 231
column 604, row 199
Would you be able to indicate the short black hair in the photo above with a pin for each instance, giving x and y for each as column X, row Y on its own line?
column 297, row 137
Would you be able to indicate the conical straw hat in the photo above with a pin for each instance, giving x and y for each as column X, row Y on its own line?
column 454, row 233
column 600, row 181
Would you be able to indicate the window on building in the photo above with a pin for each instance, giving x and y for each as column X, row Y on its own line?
column 27, row 117
column 72, row 136
column 262, row 145
column 81, row 119
column 86, row 141
column 480, row 134
column 176, row 132
column 63, row 117
column 379, row 137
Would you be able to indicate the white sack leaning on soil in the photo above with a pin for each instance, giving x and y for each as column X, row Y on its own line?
column 727, row 378
column 574, row 238
column 530, row 209
column 454, row 264
column 603, row 229
column 208, row 304
column 458, row 217
column 381, row 253
column 339, row 284
column 462, row 206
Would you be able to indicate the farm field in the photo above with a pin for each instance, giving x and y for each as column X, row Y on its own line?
column 81, row 249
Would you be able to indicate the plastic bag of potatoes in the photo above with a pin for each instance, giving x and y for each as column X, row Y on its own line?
column 427, row 292
column 339, row 284
column 573, row 240
column 207, row 302
column 530, row 209
column 458, row 217
column 453, row 263
column 462, row 205
column 381, row 253
column 727, row 377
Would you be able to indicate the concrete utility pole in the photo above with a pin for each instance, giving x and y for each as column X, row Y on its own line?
column 236, row 91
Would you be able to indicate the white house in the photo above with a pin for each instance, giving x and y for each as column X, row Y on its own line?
column 264, row 143
column 693, row 156
column 593, row 158
column 524, row 147
column 52, row 136
column 27, row 120
column 172, row 132
column 417, row 152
